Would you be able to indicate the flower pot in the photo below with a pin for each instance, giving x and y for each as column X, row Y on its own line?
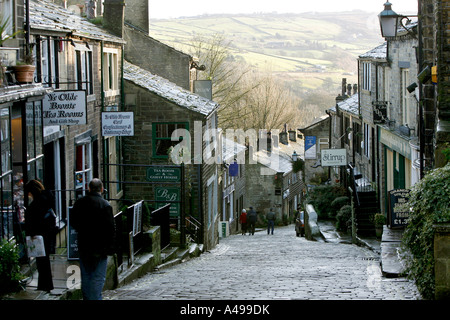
column 24, row 73
column 378, row 231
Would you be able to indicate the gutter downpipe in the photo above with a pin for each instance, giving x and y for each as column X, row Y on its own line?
column 421, row 121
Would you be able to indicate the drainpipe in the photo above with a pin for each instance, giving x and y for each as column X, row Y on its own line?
column 102, row 84
column 421, row 121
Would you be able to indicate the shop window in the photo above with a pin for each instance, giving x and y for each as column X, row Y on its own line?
column 162, row 137
column 6, row 177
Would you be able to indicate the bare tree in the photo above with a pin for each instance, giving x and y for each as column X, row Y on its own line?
column 248, row 99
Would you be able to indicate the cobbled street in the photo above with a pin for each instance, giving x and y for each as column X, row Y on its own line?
column 272, row 267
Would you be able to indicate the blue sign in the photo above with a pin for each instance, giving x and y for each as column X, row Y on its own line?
column 310, row 147
column 233, row 170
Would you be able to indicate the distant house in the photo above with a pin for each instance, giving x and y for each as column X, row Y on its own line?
column 270, row 181
column 316, row 137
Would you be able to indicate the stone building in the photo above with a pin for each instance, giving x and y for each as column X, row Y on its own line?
column 434, row 87
column 270, row 181
column 316, row 138
column 160, row 107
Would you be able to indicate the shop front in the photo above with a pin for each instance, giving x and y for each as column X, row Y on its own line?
column 21, row 149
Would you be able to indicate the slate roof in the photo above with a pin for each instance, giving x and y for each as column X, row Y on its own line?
column 350, row 105
column 168, row 90
column 376, row 53
column 45, row 15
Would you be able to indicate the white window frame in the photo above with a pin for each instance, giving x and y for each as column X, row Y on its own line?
column 85, row 68
column 46, row 58
column 367, row 76
column 405, row 96
column 86, row 173
column 111, row 71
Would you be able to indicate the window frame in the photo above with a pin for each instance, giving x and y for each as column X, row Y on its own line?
column 110, row 71
column 155, row 138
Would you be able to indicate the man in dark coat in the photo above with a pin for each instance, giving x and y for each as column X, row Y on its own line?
column 251, row 220
column 92, row 218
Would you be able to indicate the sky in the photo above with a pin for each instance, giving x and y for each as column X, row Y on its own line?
column 175, row 8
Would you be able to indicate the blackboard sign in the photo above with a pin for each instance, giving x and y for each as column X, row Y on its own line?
column 72, row 239
column 399, row 215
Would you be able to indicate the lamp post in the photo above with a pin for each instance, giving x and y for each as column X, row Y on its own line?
column 294, row 156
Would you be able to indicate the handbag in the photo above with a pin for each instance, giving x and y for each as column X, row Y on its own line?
column 35, row 246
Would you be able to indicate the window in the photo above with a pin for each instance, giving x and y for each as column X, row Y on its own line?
column 6, row 175
column 162, row 137
column 83, row 167
column 49, row 63
column 366, row 80
column 367, row 139
column 357, row 137
column 84, row 69
column 6, row 10
column 405, row 96
column 110, row 71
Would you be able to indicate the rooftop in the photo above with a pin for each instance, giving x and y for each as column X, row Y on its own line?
column 45, row 15
column 168, row 90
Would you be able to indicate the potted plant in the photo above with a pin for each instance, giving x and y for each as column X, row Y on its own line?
column 379, row 221
column 24, row 70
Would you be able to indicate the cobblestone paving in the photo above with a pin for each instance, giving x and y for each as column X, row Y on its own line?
column 272, row 267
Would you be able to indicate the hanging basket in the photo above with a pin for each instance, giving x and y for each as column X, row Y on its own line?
column 24, row 73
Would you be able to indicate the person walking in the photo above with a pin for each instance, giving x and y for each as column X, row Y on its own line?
column 92, row 218
column 270, row 221
column 243, row 221
column 251, row 220
column 41, row 221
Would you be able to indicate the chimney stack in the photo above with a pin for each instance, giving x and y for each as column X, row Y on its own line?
column 113, row 16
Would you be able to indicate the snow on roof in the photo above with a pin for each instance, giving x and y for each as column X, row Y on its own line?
column 168, row 90
column 350, row 105
column 45, row 15
column 376, row 53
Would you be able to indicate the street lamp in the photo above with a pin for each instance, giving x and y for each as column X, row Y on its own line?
column 294, row 156
column 389, row 21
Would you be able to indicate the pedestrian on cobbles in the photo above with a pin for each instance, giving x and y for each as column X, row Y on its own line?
column 243, row 220
column 93, row 219
column 270, row 221
column 251, row 220
column 41, row 220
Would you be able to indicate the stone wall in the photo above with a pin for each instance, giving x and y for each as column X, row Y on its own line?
column 442, row 261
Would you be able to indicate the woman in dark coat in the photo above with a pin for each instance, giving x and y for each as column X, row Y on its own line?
column 40, row 220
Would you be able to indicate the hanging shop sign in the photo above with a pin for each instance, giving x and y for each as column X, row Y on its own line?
column 64, row 108
column 333, row 157
column 310, row 147
column 118, row 124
